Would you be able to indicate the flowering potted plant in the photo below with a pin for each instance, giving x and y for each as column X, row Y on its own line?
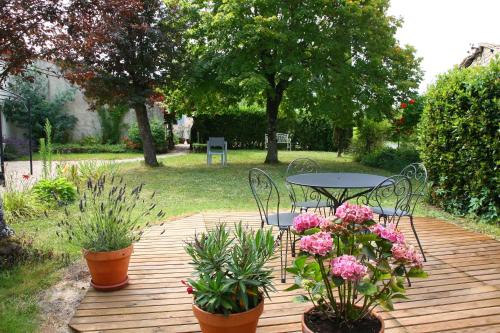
column 231, row 280
column 106, row 227
column 348, row 266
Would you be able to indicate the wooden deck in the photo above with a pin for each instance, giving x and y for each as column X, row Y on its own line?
column 462, row 293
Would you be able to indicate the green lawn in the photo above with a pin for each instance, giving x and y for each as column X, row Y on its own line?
column 184, row 185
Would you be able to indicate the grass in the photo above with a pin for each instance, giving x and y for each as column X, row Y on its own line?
column 86, row 156
column 19, row 290
column 184, row 185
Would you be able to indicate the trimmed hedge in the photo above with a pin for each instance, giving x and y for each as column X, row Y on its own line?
column 460, row 141
column 246, row 130
column 89, row 148
column 391, row 159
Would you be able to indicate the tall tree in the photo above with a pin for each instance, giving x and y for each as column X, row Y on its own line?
column 338, row 57
column 120, row 52
column 27, row 29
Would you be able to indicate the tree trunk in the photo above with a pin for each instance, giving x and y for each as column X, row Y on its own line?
column 341, row 139
column 273, row 101
column 148, row 146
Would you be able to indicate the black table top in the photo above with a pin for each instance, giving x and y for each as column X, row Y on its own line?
column 336, row 180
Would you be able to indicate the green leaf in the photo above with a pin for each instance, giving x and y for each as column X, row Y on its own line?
column 311, row 231
column 293, row 287
column 386, row 304
column 300, row 299
column 417, row 273
column 368, row 251
column 337, row 281
column 367, row 288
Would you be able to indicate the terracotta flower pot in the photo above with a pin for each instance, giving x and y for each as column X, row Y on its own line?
column 109, row 269
column 306, row 329
column 245, row 322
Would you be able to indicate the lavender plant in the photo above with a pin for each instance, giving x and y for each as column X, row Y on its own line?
column 110, row 215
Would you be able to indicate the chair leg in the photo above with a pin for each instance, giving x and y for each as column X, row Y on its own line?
column 293, row 244
column 284, row 264
column 416, row 236
column 407, row 277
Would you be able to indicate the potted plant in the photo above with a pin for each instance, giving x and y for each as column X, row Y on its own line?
column 231, row 279
column 107, row 225
column 348, row 266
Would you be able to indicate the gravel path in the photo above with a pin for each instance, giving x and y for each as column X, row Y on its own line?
column 15, row 169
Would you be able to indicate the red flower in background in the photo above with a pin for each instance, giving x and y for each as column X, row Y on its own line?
column 404, row 105
column 26, row 177
column 411, row 101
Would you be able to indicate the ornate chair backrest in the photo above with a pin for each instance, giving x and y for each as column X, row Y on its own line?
column 396, row 190
column 298, row 166
column 266, row 194
column 417, row 174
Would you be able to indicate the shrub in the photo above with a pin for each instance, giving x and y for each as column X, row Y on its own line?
column 199, row 147
column 158, row 132
column 89, row 148
column 90, row 140
column 18, row 249
column 370, row 136
column 245, row 127
column 231, row 272
column 109, row 216
column 111, row 120
column 460, row 140
column 15, row 148
column 36, row 92
column 391, row 159
column 18, row 200
column 79, row 173
column 58, row 190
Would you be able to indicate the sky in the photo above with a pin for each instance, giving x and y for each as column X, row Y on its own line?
column 442, row 31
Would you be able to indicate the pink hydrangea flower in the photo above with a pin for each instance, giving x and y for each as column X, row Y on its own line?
column 354, row 213
column 406, row 254
column 319, row 243
column 348, row 268
column 389, row 232
column 306, row 221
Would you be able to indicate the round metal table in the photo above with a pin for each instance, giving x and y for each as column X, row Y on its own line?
column 325, row 182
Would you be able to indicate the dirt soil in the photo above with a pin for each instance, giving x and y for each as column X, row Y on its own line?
column 58, row 304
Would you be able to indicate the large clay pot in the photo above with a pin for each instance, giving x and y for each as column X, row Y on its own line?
column 245, row 322
column 306, row 329
column 108, row 269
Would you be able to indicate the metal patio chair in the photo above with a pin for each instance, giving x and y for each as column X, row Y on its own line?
column 267, row 197
column 217, row 146
column 304, row 197
column 417, row 174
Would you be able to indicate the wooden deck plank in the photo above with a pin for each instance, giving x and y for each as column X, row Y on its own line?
column 462, row 293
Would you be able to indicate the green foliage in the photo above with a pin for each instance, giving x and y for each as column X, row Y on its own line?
column 199, row 147
column 46, row 151
column 230, row 268
column 55, row 191
column 35, row 91
column 369, row 136
column 391, row 159
column 280, row 54
column 350, row 265
column 158, row 132
column 20, row 205
column 109, row 217
column 460, row 140
column 79, row 173
column 111, row 120
column 245, row 128
column 88, row 148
